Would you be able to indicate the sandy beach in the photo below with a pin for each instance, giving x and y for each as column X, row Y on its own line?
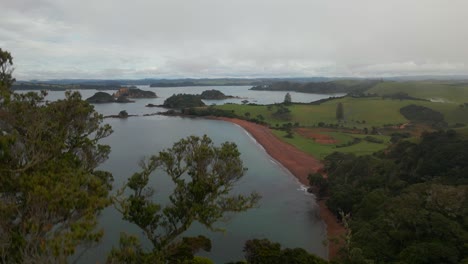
column 300, row 164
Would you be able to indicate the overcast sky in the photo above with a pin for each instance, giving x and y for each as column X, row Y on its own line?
column 234, row 38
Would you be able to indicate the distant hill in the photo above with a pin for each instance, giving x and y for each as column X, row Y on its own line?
column 62, row 87
column 214, row 95
column 338, row 86
column 170, row 82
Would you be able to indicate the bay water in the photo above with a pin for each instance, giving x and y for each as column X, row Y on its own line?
column 286, row 213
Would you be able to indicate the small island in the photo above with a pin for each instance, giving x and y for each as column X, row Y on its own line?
column 102, row 97
column 214, row 95
column 183, row 101
column 133, row 92
column 121, row 96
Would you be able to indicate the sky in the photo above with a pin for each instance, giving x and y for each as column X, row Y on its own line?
column 129, row 39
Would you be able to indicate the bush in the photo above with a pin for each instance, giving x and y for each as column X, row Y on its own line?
column 373, row 140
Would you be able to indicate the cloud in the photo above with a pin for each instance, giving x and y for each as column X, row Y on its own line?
column 214, row 38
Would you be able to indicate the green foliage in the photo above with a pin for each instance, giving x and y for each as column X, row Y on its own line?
column 183, row 101
column 6, row 71
column 282, row 113
column 418, row 113
column 213, row 95
column 204, row 176
column 262, row 251
column 200, row 260
column 51, row 192
column 320, row 183
column 339, row 111
column 287, row 99
column 411, row 201
column 102, row 97
column 208, row 111
column 123, row 114
column 134, row 92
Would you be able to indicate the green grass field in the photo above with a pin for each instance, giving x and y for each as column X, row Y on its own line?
column 446, row 91
column 374, row 111
column 322, row 150
column 360, row 113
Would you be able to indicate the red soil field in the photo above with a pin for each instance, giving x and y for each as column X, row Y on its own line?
column 319, row 138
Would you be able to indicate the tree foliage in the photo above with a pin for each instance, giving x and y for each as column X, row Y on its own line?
column 183, row 101
column 287, row 99
column 50, row 190
column 203, row 175
column 339, row 111
column 263, row 251
column 410, row 201
column 282, row 112
column 6, row 70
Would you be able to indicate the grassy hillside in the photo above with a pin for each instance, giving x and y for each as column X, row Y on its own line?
column 322, row 150
column 453, row 92
column 360, row 114
column 374, row 111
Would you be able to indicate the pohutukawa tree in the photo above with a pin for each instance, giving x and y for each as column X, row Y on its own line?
column 204, row 176
column 50, row 190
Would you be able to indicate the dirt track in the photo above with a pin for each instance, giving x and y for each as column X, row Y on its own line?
column 299, row 163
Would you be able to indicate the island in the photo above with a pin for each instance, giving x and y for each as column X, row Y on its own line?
column 133, row 92
column 183, row 101
column 102, row 97
column 121, row 96
column 215, row 95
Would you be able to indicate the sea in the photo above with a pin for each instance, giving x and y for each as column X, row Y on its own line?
column 286, row 213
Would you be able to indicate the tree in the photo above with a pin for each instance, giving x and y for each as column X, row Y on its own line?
column 123, row 114
column 318, row 182
column 203, row 175
column 6, row 70
column 339, row 111
column 287, row 99
column 50, row 190
column 260, row 251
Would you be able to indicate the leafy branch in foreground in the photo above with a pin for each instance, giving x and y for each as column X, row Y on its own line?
column 50, row 190
column 204, row 176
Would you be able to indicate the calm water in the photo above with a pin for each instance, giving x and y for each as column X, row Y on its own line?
column 286, row 213
column 138, row 108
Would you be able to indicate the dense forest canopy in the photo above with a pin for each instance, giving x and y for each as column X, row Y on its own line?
column 408, row 204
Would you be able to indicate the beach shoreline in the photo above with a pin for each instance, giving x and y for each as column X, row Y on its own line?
column 300, row 164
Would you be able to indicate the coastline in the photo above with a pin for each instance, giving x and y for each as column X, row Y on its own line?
column 300, row 164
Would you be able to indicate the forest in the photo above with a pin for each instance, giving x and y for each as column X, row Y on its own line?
column 406, row 204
